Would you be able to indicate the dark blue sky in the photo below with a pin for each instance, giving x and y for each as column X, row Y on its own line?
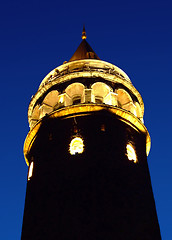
column 37, row 36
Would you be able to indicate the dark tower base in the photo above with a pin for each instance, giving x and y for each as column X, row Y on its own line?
column 96, row 195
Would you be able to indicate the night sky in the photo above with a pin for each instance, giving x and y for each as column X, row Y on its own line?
column 37, row 36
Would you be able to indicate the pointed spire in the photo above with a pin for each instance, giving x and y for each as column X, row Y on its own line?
column 84, row 36
column 84, row 51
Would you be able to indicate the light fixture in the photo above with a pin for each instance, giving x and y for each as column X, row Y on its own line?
column 76, row 146
column 30, row 171
column 131, row 154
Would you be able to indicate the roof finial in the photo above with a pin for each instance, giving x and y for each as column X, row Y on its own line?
column 84, row 36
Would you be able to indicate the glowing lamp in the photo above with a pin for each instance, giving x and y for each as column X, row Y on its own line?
column 76, row 146
column 30, row 171
column 131, row 154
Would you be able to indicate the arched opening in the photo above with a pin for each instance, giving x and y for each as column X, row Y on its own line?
column 35, row 116
column 131, row 153
column 138, row 111
column 100, row 92
column 51, row 98
column 76, row 146
column 48, row 103
column 30, row 171
column 123, row 97
column 125, row 101
column 75, row 93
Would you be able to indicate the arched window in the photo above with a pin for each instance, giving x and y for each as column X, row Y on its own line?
column 51, row 98
column 138, row 111
column 123, row 97
column 125, row 101
column 100, row 93
column 35, row 113
column 30, row 171
column 75, row 93
column 131, row 153
column 35, row 116
column 76, row 146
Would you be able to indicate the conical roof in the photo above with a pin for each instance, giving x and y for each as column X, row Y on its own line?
column 84, row 51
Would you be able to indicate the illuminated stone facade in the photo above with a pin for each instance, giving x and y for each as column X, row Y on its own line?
column 87, row 154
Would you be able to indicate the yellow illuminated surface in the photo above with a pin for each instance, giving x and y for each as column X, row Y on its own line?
column 80, row 73
column 131, row 154
column 61, row 100
column 76, row 146
column 30, row 171
column 88, row 109
column 135, row 113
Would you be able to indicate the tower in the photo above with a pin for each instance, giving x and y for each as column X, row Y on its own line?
column 87, row 150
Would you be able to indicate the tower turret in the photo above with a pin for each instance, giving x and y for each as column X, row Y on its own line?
column 86, row 150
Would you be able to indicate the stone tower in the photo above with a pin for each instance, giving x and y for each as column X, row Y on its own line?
column 87, row 148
